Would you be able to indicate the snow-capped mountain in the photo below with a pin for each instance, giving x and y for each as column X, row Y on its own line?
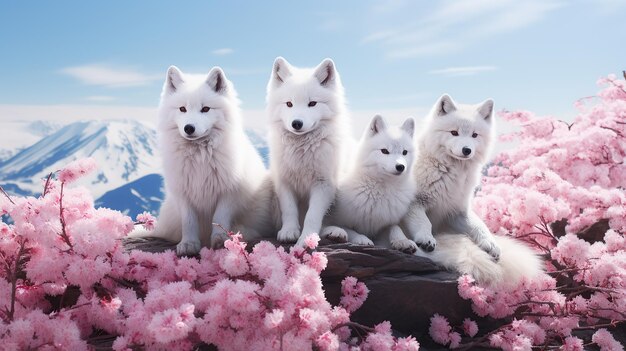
column 128, row 177
column 17, row 135
column 142, row 195
column 124, row 151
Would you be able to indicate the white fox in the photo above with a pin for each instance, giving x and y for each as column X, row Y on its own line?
column 210, row 168
column 307, row 135
column 377, row 191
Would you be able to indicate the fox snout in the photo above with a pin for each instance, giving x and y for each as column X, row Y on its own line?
column 297, row 124
column 189, row 129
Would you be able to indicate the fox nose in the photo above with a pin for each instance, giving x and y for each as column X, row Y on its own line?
column 297, row 124
column 399, row 167
column 189, row 129
column 467, row 151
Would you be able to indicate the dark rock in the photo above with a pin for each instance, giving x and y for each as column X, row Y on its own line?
column 404, row 289
column 595, row 232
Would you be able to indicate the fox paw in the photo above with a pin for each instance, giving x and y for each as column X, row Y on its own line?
column 362, row 240
column 288, row 235
column 491, row 248
column 404, row 245
column 335, row 234
column 429, row 245
column 217, row 240
column 188, row 248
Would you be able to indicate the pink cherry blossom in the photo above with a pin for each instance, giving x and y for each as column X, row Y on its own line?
column 77, row 169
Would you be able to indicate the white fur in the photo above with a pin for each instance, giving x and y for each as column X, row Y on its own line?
column 305, row 163
column 446, row 178
column 212, row 175
column 375, row 194
column 457, row 252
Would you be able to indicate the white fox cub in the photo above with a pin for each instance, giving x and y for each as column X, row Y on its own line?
column 377, row 191
column 451, row 152
column 210, row 168
column 307, row 134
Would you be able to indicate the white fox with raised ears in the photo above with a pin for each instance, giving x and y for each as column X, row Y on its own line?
column 451, row 152
column 377, row 190
column 307, row 137
column 210, row 168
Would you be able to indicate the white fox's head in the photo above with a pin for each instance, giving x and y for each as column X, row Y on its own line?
column 196, row 105
column 386, row 151
column 302, row 99
column 463, row 132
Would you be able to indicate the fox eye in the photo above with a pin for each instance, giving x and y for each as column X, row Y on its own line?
column 474, row 135
column 205, row 109
column 404, row 152
column 384, row 151
column 312, row 103
column 182, row 109
column 454, row 132
column 289, row 104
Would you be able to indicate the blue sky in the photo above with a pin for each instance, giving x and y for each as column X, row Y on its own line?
column 393, row 55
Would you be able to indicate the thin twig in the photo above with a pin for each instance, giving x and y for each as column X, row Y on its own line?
column 355, row 326
column 7, row 195
column 18, row 258
column 45, row 187
column 597, row 326
column 63, row 234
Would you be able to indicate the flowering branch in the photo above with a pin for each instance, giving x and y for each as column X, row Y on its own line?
column 63, row 234
column 7, row 195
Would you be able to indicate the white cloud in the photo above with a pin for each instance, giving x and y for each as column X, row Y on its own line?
column 100, row 98
column 108, row 76
column 73, row 113
column 222, row 51
column 455, row 25
column 462, row 71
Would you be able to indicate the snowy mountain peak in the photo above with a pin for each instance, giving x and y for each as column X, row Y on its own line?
column 124, row 150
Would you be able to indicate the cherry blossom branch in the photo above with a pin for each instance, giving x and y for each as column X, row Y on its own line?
column 63, row 234
column 612, row 324
column 47, row 184
column 7, row 195
column 16, row 268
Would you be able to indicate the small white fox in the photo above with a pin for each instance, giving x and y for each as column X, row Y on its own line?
column 377, row 191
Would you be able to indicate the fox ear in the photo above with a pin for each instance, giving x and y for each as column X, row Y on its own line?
column 280, row 71
column 217, row 80
column 486, row 110
column 409, row 126
column 377, row 125
column 325, row 72
column 445, row 105
column 173, row 79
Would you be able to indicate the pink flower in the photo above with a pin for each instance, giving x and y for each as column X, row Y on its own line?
column 172, row 324
column 77, row 169
column 406, row 344
column 273, row 319
column 605, row 341
column 328, row 341
column 312, row 241
column 354, row 294
column 573, row 343
column 147, row 220
column 439, row 329
column 470, row 327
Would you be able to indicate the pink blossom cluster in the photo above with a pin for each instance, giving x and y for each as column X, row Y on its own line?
column 559, row 190
column 66, row 282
